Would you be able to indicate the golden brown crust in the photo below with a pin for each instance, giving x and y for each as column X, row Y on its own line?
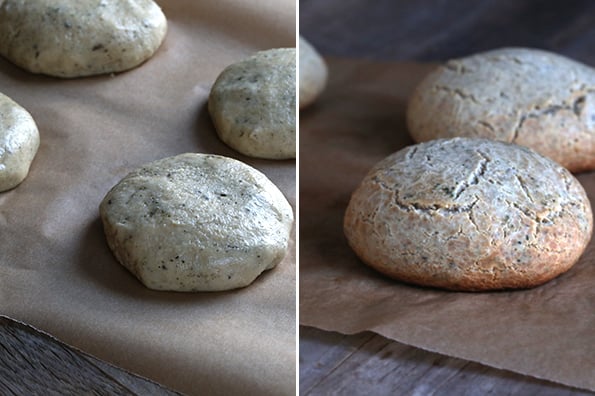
column 530, row 97
column 469, row 214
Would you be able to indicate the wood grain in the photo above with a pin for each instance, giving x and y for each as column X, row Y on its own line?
column 32, row 363
column 428, row 30
column 433, row 30
column 369, row 364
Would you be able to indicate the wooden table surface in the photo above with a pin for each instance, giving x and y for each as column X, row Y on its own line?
column 35, row 363
column 330, row 363
column 428, row 30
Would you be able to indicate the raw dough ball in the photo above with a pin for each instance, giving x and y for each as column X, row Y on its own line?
column 530, row 97
column 66, row 38
column 19, row 141
column 252, row 105
column 196, row 222
column 469, row 214
column 313, row 73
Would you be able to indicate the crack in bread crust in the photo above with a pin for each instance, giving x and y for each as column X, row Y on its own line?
column 529, row 97
column 444, row 212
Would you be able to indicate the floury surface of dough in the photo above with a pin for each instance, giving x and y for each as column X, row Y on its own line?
column 19, row 141
column 65, row 38
column 197, row 222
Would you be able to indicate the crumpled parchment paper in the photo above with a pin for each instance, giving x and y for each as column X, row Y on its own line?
column 56, row 271
column 546, row 332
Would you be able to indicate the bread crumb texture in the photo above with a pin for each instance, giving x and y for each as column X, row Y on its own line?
column 65, row 38
column 313, row 73
column 252, row 104
column 197, row 222
column 526, row 96
column 469, row 214
column 19, row 141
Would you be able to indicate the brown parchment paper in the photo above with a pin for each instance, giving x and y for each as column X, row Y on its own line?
column 56, row 271
column 547, row 332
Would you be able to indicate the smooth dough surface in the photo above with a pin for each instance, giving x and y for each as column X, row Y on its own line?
column 313, row 73
column 526, row 96
column 196, row 222
column 252, row 105
column 469, row 214
column 19, row 141
column 66, row 38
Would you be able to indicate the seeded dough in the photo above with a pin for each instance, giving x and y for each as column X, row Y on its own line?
column 313, row 73
column 469, row 214
column 19, row 141
column 530, row 97
column 196, row 222
column 252, row 105
column 66, row 38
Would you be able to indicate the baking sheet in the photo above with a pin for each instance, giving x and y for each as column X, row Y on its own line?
column 547, row 332
column 56, row 271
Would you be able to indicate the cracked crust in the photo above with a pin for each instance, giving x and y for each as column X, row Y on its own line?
column 313, row 73
column 530, row 97
column 469, row 214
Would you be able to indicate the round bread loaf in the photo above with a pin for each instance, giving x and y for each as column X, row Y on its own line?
column 19, row 141
column 196, row 222
column 469, row 214
column 66, row 38
column 313, row 73
column 252, row 105
column 530, row 97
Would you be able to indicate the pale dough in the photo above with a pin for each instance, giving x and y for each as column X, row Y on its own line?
column 197, row 222
column 313, row 73
column 252, row 105
column 19, row 141
column 66, row 38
